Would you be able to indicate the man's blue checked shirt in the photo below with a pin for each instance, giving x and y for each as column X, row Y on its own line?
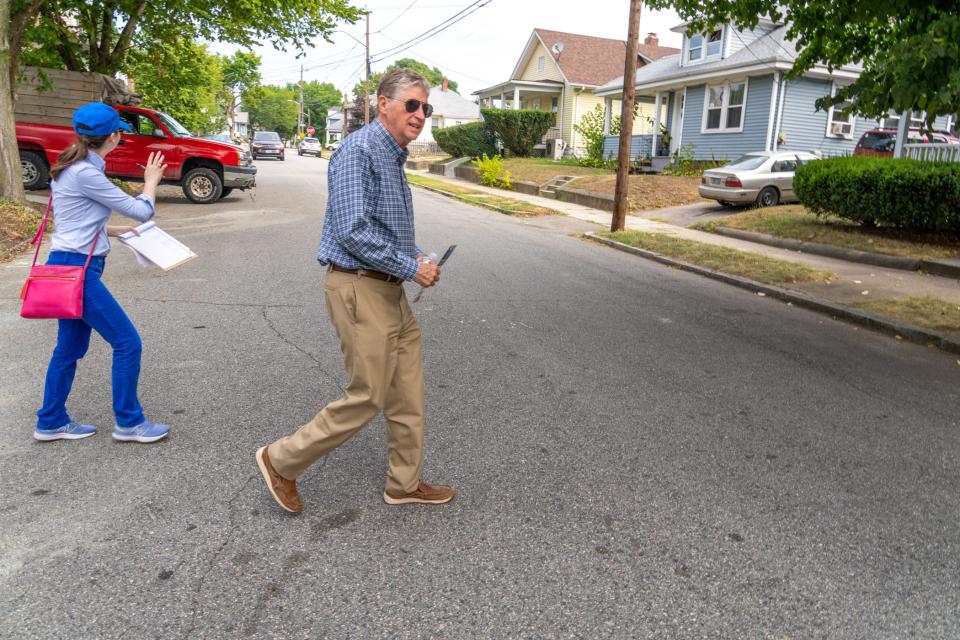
column 369, row 220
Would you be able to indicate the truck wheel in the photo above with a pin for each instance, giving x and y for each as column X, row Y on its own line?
column 226, row 191
column 202, row 185
column 34, row 168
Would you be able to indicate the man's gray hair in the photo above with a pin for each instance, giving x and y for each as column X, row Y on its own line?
column 395, row 82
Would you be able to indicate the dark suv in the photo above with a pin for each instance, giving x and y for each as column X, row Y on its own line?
column 266, row 144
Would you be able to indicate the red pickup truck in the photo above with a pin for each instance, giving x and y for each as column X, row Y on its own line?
column 207, row 170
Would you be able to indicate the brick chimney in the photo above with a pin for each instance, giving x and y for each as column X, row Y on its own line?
column 652, row 39
column 445, row 85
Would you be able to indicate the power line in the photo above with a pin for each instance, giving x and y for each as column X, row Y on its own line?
column 429, row 33
column 443, row 66
column 389, row 24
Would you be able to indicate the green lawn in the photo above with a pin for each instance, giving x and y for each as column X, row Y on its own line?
column 794, row 221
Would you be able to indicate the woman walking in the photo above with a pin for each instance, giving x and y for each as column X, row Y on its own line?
column 83, row 199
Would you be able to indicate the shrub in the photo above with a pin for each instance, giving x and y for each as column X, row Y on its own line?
column 519, row 129
column 492, row 173
column 473, row 139
column 910, row 194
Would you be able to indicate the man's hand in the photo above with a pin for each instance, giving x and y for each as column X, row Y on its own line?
column 427, row 274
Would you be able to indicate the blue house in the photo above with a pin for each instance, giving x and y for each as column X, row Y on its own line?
column 726, row 94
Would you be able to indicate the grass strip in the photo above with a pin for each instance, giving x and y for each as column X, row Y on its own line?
column 738, row 263
column 794, row 221
column 924, row 311
column 18, row 224
column 483, row 199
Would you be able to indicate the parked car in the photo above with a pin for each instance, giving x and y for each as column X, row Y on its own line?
column 266, row 144
column 333, row 146
column 310, row 146
column 881, row 142
column 764, row 178
column 204, row 169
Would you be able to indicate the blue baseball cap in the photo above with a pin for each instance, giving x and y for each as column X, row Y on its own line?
column 97, row 119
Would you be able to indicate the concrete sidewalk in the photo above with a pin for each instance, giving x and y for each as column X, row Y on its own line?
column 855, row 281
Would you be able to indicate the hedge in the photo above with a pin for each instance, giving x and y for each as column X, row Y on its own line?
column 910, row 194
column 473, row 139
column 519, row 129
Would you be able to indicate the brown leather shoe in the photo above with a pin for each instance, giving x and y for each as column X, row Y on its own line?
column 425, row 493
column 283, row 491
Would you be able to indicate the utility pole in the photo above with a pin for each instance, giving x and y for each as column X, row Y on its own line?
column 366, row 84
column 346, row 119
column 300, row 113
column 626, row 120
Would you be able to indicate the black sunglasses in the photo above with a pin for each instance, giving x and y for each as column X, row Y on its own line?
column 412, row 105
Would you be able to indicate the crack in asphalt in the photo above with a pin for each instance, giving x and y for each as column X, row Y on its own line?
column 216, row 555
column 310, row 356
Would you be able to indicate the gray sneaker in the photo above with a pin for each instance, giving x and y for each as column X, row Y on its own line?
column 146, row 431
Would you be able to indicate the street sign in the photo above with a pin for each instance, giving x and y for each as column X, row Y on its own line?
column 311, row 131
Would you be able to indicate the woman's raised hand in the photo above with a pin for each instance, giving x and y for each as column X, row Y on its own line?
column 153, row 171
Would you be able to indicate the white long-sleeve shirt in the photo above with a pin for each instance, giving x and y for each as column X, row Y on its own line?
column 83, row 198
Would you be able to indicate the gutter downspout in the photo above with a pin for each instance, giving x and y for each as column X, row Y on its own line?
column 779, row 122
column 774, row 89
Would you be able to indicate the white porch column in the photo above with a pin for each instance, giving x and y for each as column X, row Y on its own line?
column 503, row 101
column 516, row 97
column 607, row 114
column 657, row 102
column 903, row 128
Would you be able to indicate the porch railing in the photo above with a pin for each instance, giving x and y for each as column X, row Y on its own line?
column 423, row 148
column 932, row 152
column 553, row 133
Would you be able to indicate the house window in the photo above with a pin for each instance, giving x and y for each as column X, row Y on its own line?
column 723, row 108
column 840, row 118
column 535, row 103
column 712, row 42
column 540, row 63
column 892, row 121
column 553, row 104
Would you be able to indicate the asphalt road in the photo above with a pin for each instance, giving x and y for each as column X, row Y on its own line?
column 639, row 453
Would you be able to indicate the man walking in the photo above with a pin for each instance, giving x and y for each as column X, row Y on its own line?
column 369, row 250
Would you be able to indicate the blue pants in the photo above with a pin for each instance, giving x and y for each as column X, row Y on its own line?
column 101, row 312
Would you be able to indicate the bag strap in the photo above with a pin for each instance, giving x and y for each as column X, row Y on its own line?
column 38, row 238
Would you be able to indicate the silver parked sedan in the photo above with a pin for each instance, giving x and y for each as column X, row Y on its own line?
column 764, row 178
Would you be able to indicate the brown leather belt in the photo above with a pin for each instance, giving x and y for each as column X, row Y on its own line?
column 369, row 273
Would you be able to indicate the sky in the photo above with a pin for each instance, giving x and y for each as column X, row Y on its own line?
column 478, row 51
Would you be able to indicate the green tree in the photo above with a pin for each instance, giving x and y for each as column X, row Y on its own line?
column 241, row 71
column 433, row 75
column 272, row 108
column 591, row 128
column 317, row 98
column 98, row 35
column 183, row 79
column 910, row 51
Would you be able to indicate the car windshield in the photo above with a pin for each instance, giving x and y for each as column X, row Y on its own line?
column 746, row 162
column 177, row 129
column 311, row 140
column 266, row 136
column 878, row 141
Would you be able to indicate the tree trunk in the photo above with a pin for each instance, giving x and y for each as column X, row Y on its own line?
column 11, row 178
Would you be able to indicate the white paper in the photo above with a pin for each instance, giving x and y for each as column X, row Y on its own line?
column 156, row 246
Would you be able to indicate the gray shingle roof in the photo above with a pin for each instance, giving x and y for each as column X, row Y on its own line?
column 770, row 49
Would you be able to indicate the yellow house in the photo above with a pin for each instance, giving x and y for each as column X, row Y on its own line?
column 559, row 72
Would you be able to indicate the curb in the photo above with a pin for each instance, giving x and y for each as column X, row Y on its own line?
column 908, row 332
column 453, row 196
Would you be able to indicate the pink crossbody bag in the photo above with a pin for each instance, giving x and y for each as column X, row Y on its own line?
column 53, row 291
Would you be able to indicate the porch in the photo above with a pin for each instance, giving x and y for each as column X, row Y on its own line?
column 656, row 139
column 528, row 94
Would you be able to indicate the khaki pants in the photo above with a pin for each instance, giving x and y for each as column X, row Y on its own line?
column 380, row 340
